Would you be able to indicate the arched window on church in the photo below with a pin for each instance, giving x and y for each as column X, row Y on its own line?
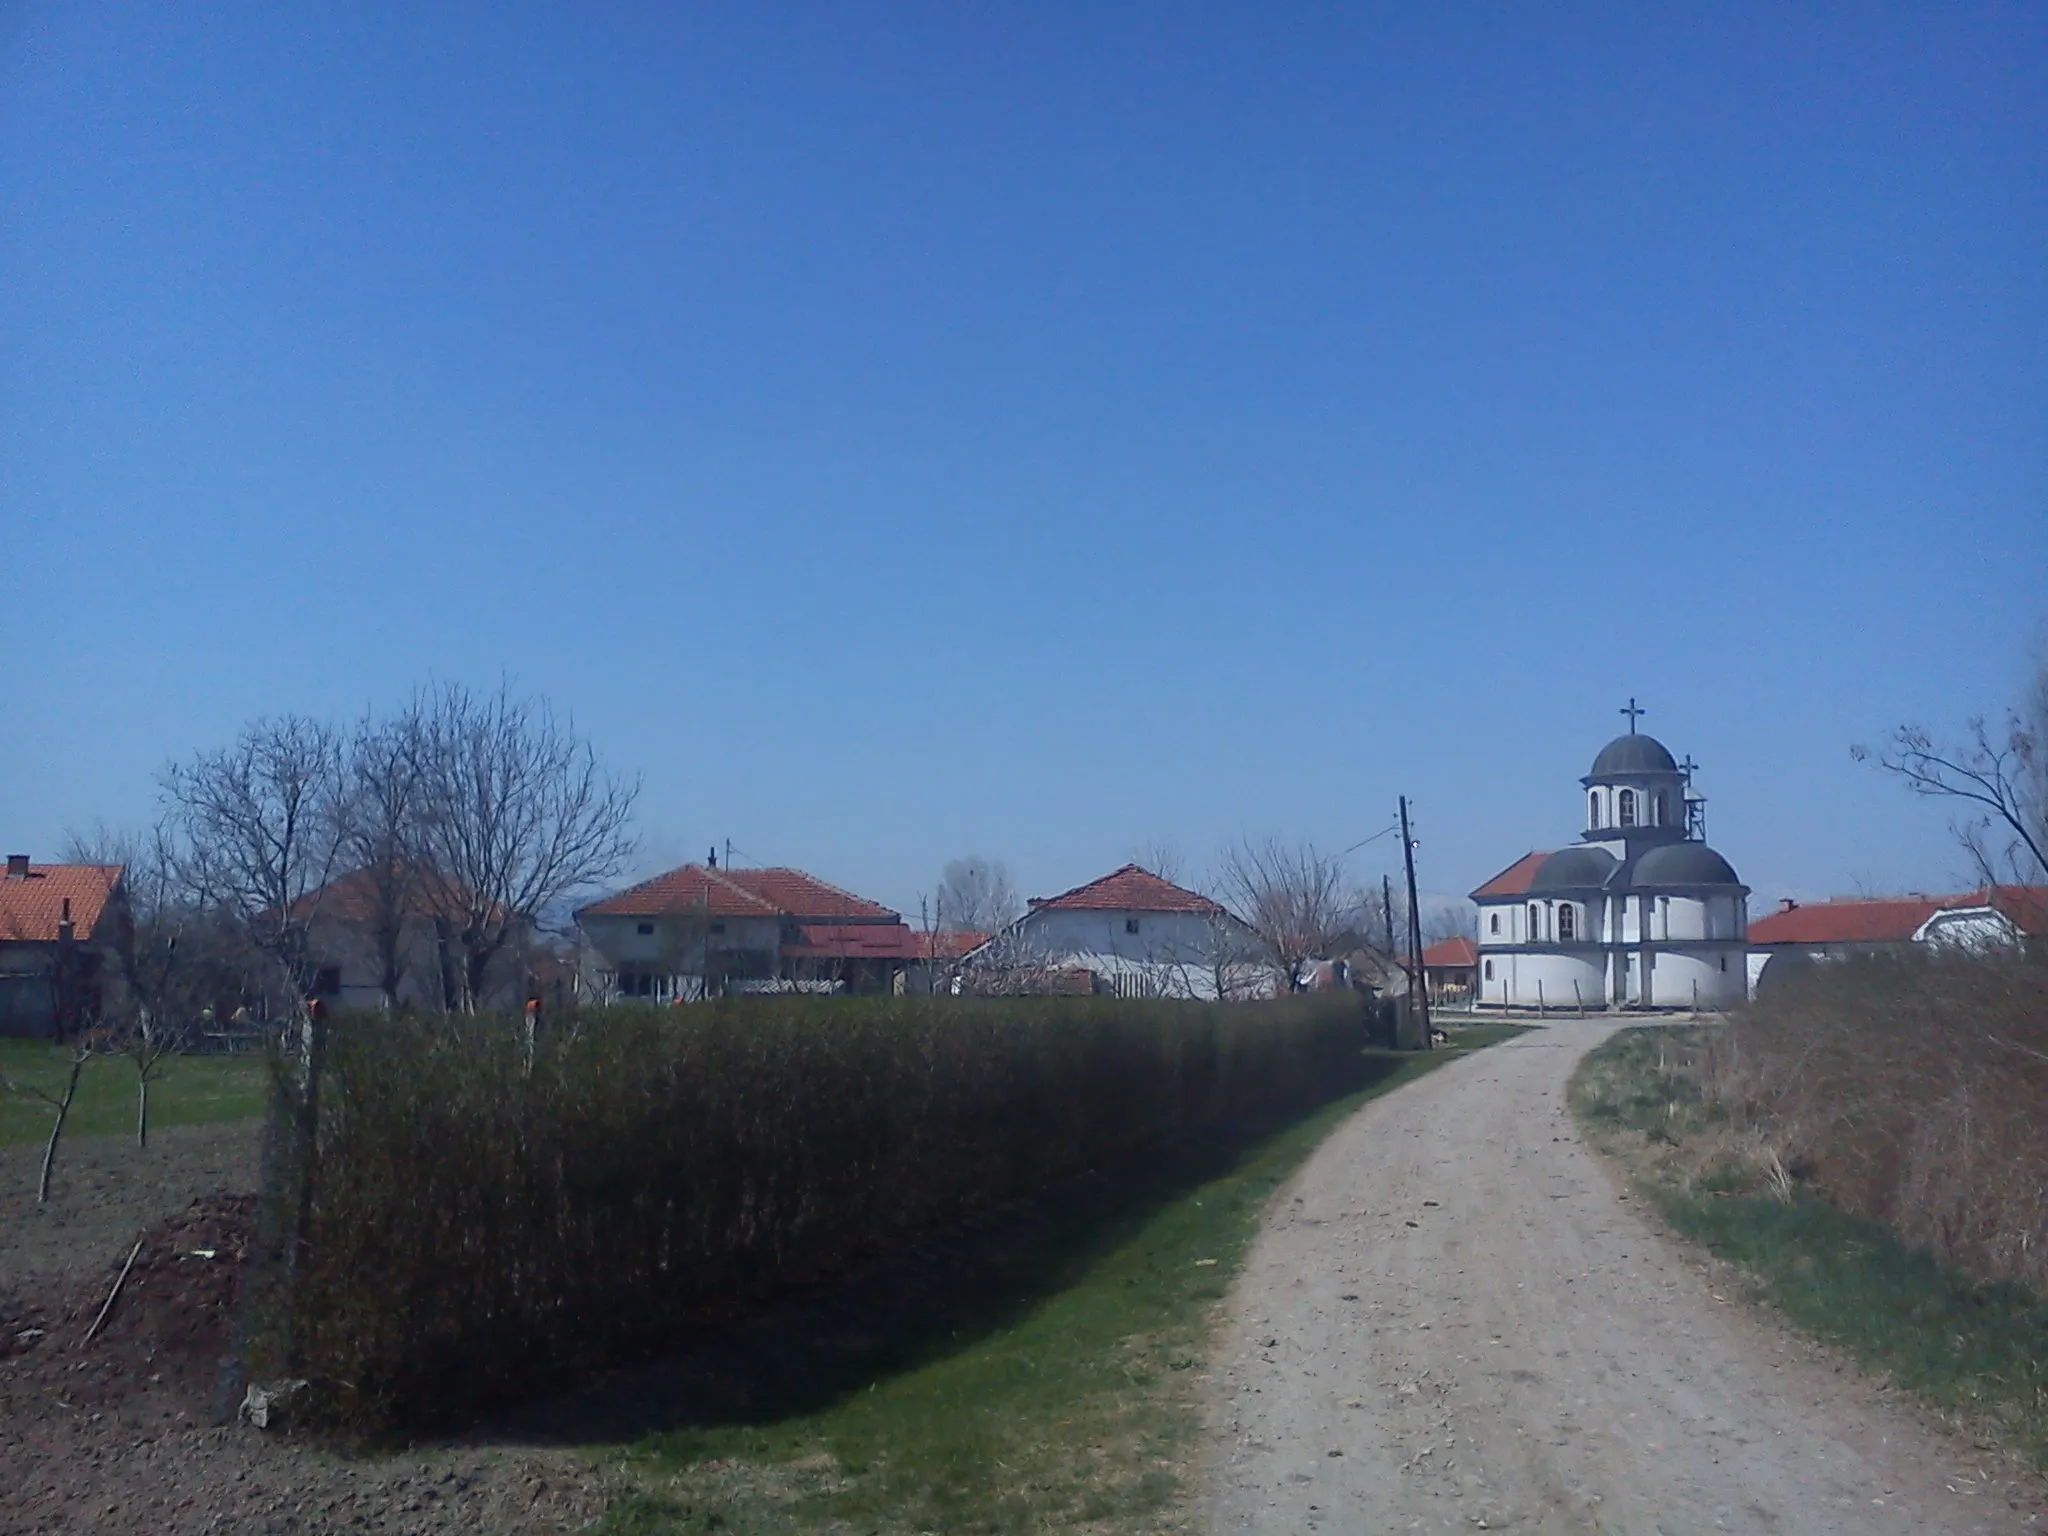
column 1566, row 923
column 1626, row 804
column 1662, row 813
column 1593, row 809
column 1535, row 922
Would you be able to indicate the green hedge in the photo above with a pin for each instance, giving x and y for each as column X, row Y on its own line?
column 483, row 1227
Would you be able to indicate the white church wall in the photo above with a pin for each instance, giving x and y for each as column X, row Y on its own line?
column 1561, row 980
column 1720, row 976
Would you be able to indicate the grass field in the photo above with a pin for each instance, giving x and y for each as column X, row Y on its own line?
column 193, row 1090
column 1977, row 1353
column 1069, row 1406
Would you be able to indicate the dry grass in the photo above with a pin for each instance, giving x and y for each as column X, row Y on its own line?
column 1912, row 1092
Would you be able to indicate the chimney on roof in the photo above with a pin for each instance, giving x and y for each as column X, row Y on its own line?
column 65, row 932
column 711, row 859
column 17, row 866
column 1787, row 904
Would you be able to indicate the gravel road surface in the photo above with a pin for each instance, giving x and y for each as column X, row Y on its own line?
column 1454, row 1319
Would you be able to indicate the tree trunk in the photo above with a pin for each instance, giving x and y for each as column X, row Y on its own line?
column 142, row 1107
column 63, row 1108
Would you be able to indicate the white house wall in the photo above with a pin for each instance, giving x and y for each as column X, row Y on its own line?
column 1173, row 954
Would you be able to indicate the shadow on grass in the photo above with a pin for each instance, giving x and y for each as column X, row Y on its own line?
column 938, row 1294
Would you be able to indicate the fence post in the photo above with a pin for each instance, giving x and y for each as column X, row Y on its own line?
column 1539, row 999
column 1578, row 997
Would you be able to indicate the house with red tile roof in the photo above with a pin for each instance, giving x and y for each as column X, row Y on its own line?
column 1449, row 967
column 1134, row 934
column 59, row 924
column 385, row 935
column 702, row 931
column 1991, row 917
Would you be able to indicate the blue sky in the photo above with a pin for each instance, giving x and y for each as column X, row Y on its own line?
column 903, row 431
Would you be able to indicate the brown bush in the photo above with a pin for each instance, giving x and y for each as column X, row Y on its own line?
column 1912, row 1090
column 481, row 1227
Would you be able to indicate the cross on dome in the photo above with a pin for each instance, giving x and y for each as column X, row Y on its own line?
column 1633, row 710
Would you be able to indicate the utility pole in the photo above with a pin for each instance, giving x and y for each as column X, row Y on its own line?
column 1387, row 906
column 1418, row 990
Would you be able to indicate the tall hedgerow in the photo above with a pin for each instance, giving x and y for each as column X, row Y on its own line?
column 485, row 1222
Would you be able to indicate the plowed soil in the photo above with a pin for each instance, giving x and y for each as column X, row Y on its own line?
column 118, row 1434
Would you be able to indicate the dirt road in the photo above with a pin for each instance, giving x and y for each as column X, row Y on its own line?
column 1455, row 1320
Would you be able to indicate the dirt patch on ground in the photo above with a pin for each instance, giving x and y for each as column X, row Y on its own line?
column 106, row 1190
column 1455, row 1319
column 117, row 1435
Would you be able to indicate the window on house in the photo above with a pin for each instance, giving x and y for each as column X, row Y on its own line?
column 718, row 927
column 1663, row 810
column 1493, row 923
column 645, row 929
column 1489, row 970
column 1567, row 922
column 1535, row 922
column 327, row 981
column 1626, row 802
column 1130, row 925
column 1593, row 809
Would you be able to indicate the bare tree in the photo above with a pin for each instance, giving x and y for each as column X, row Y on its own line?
column 518, row 815
column 1290, row 895
column 383, row 782
column 975, row 896
column 2000, row 779
column 258, row 829
column 59, row 1104
column 1162, row 856
column 1225, row 961
column 1457, row 919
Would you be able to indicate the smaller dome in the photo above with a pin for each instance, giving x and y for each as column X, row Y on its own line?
column 1633, row 754
column 1684, row 864
column 1574, row 869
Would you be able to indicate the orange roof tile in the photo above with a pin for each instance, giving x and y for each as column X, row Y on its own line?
column 1894, row 919
column 1513, row 880
column 32, row 909
column 855, row 941
column 692, row 888
column 803, row 895
column 1451, row 952
column 1129, row 889
column 743, row 893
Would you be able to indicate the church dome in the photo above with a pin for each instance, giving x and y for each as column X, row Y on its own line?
column 1574, row 869
column 1684, row 864
column 1633, row 753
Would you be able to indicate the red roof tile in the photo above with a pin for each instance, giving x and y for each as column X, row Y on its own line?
column 1451, row 952
column 1129, row 889
column 32, row 909
column 691, row 888
column 856, row 941
column 803, row 896
column 948, row 946
column 1894, row 919
column 743, row 893
column 1513, row 880
column 352, row 898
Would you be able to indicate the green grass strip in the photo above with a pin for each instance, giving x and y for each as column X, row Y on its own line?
column 1976, row 1350
column 1077, row 1411
column 193, row 1090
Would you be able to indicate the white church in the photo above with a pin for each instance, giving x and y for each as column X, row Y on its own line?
column 1639, row 913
